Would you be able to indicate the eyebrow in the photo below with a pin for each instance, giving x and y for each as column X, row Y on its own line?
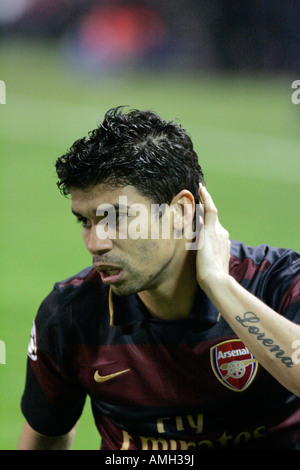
column 117, row 207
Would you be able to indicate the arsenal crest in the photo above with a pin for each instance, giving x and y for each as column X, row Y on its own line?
column 233, row 364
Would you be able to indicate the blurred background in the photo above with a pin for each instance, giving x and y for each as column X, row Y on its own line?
column 224, row 69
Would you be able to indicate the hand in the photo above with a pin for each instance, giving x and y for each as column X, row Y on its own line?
column 213, row 254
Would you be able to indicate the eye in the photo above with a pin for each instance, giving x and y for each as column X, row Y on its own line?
column 84, row 222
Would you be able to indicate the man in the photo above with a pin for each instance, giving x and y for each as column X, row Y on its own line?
column 183, row 339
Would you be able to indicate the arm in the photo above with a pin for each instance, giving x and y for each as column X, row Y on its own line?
column 32, row 440
column 267, row 334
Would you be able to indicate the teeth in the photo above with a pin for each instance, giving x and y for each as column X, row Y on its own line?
column 112, row 271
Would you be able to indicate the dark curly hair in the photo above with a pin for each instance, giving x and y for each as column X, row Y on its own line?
column 136, row 148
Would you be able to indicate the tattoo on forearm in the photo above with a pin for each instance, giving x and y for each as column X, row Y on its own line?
column 251, row 317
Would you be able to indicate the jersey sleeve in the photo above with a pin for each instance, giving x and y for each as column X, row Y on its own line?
column 53, row 398
column 282, row 286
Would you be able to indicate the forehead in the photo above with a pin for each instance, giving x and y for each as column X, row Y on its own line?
column 104, row 194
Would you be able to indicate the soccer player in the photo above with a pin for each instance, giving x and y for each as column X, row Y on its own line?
column 183, row 338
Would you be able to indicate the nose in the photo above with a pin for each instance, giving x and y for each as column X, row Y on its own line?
column 96, row 244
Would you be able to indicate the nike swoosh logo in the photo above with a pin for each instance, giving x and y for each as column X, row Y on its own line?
column 100, row 379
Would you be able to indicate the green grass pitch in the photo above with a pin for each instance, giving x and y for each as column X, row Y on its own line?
column 245, row 130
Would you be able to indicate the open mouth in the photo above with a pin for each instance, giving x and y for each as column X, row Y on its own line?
column 109, row 274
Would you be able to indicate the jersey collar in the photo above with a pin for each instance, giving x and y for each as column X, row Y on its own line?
column 129, row 311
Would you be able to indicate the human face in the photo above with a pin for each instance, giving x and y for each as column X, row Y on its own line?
column 129, row 265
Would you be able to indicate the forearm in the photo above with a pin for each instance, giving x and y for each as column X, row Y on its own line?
column 32, row 440
column 267, row 334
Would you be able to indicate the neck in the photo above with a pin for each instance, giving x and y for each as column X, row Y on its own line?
column 173, row 299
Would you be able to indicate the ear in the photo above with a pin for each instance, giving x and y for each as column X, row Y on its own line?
column 182, row 210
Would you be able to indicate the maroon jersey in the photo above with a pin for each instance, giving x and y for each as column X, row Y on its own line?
column 187, row 384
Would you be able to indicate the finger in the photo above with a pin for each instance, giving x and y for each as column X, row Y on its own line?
column 200, row 227
column 200, row 193
column 206, row 198
column 210, row 210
